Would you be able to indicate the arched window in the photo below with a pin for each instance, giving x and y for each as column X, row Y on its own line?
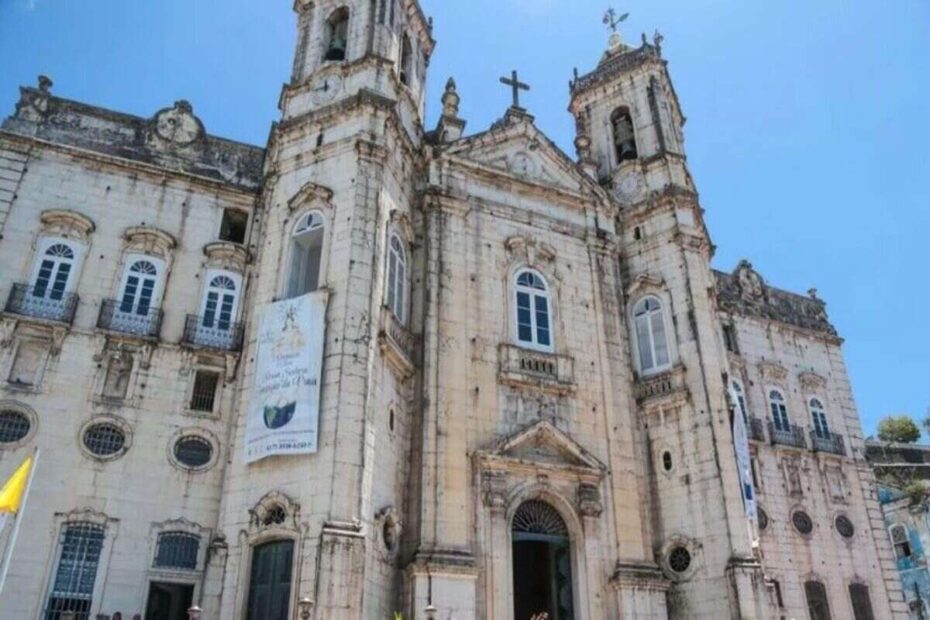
column 270, row 581
column 741, row 400
column 79, row 549
column 53, row 275
column 819, row 418
column 534, row 321
column 542, row 567
column 861, row 602
column 779, row 411
column 406, row 61
column 397, row 279
column 649, row 320
column 624, row 135
column 219, row 304
column 306, row 255
column 337, row 35
column 139, row 288
column 817, row 604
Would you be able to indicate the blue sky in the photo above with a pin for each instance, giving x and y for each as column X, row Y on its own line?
column 807, row 122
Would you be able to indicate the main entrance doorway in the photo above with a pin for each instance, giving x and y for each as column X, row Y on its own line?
column 169, row 601
column 270, row 583
column 542, row 567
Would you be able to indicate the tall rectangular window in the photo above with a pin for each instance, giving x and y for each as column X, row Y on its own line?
column 817, row 605
column 73, row 586
column 177, row 550
column 861, row 603
column 203, row 396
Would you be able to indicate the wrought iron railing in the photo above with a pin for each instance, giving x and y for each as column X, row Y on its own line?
column 792, row 435
column 50, row 304
column 215, row 334
column 146, row 324
column 828, row 442
column 756, row 429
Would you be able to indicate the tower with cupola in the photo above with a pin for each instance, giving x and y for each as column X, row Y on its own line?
column 629, row 138
column 336, row 224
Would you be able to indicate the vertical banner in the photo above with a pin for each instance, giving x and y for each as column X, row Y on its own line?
column 743, row 460
column 284, row 411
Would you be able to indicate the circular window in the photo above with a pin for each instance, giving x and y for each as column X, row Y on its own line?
column 104, row 440
column 193, row 452
column 844, row 526
column 763, row 520
column 667, row 460
column 14, row 426
column 802, row 522
column 679, row 559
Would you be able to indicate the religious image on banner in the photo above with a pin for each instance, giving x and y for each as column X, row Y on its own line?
column 743, row 459
column 284, row 410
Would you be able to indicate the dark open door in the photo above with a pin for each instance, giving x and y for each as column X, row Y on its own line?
column 270, row 582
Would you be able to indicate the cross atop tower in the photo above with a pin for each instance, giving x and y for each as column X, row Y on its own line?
column 612, row 21
column 515, row 83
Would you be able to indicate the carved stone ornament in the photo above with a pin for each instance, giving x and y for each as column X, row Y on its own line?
column 531, row 252
column 178, row 125
column 812, row 382
column 751, row 284
column 630, row 187
column 275, row 510
column 589, row 500
column 773, row 372
column 792, row 471
column 494, row 486
column 65, row 223
column 149, row 240
column 226, row 255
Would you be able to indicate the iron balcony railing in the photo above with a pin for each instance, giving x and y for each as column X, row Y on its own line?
column 49, row 304
column 213, row 334
column 146, row 324
column 756, row 429
column 793, row 436
column 828, row 442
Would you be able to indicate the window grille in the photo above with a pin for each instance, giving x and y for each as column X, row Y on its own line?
column 14, row 426
column 177, row 550
column 203, row 396
column 679, row 560
column 104, row 440
column 73, row 587
column 539, row 519
column 193, row 452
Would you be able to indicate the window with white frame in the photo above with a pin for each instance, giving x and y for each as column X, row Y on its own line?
column 221, row 300
column 819, row 419
column 901, row 542
column 779, row 408
column 534, row 316
column 55, row 270
column 306, row 255
column 651, row 336
column 741, row 400
column 72, row 588
column 140, row 287
column 397, row 279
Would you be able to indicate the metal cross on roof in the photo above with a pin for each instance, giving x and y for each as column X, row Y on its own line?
column 517, row 86
column 612, row 21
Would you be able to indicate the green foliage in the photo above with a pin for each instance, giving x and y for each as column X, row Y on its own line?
column 900, row 429
column 398, row 616
column 917, row 491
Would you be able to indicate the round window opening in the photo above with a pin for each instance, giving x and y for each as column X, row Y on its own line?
column 845, row 527
column 802, row 522
column 14, row 426
column 667, row 460
column 679, row 560
column 193, row 452
column 104, row 440
column 763, row 520
column 276, row 515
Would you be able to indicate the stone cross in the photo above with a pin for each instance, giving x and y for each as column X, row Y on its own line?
column 517, row 86
column 612, row 21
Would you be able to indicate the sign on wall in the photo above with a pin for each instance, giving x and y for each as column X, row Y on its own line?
column 284, row 411
column 743, row 459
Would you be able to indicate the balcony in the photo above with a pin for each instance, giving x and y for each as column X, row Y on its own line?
column 527, row 368
column 50, row 305
column 828, row 442
column 756, row 429
column 397, row 343
column 792, row 436
column 213, row 334
column 668, row 385
column 146, row 324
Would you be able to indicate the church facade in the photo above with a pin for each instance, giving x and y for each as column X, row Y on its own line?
column 522, row 388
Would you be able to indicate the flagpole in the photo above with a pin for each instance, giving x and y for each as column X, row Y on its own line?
column 8, row 556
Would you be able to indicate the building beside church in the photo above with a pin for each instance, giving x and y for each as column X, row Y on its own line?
column 375, row 367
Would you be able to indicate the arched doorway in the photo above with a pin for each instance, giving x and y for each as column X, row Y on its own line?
column 542, row 566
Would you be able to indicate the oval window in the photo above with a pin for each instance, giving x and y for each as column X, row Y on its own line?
column 802, row 522
column 14, row 426
column 193, row 452
column 679, row 559
column 667, row 461
column 845, row 527
column 763, row 520
column 104, row 440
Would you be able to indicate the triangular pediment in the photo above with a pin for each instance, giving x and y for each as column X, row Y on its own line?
column 514, row 147
column 543, row 443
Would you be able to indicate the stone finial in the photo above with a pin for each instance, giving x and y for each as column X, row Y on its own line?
column 812, row 293
column 431, row 612
column 45, row 84
column 451, row 100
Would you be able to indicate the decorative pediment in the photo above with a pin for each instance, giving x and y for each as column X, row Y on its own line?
column 543, row 445
column 226, row 255
column 149, row 240
column 645, row 283
column 309, row 193
column 811, row 381
column 68, row 224
column 773, row 372
column 529, row 250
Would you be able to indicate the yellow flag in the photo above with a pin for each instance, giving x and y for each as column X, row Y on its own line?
column 11, row 495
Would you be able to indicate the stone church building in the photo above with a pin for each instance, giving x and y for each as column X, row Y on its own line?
column 535, row 395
